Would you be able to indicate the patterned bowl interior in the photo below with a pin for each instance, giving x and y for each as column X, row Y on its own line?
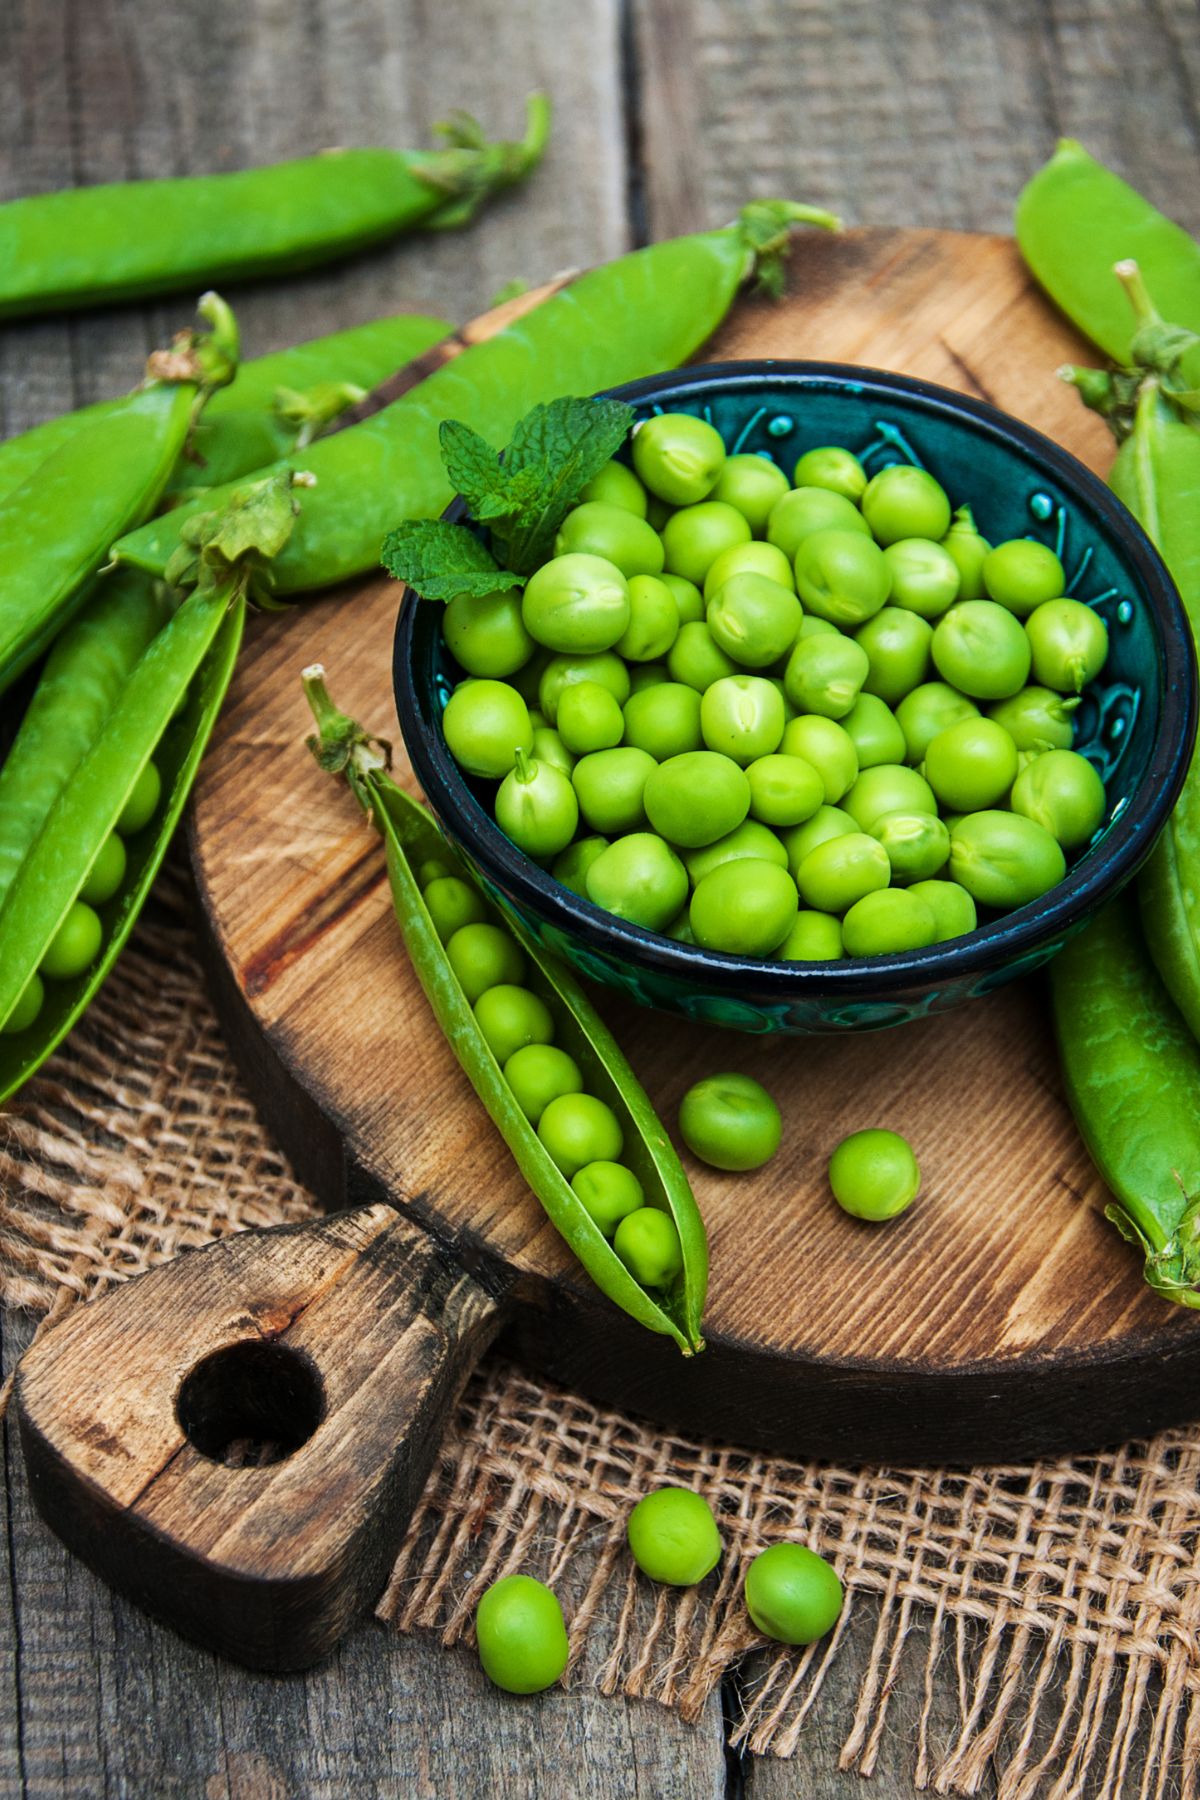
column 1135, row 724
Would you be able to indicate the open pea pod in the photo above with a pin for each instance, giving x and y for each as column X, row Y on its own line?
column 411, row 836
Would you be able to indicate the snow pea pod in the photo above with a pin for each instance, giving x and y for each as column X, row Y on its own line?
column 127, row 240
column 412, row 837
column 1132, row 1074
column 1075, row 219
column 243, row 426
column 57, row 527
column 645, row 312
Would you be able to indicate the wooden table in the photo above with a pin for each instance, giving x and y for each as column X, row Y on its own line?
column 670, row 113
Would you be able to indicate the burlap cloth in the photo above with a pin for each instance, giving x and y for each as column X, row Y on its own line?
column 1059, row 1603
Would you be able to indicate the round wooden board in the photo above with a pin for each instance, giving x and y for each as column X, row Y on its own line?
column 1002, row 1316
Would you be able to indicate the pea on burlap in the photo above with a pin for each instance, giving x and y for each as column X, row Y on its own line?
column 1060, row 1601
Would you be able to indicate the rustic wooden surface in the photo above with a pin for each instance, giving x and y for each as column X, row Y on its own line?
column 670, row 112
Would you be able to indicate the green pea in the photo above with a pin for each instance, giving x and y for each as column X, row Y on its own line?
column 750, row 841
column 888, row 922
column 925, row 577
column 142, row 803
column 888, row 788
column 485, row 723
column 509, row 1017
column 577, row 1129
column 572, row 866
column 815, row 937
column 521, row 1635
column 829, row 466
column 588, row 718
column 647, row 675
column 74, row 946
column 784, row 790
column 841, row 870
column 842, row 576
column 609, row 1191
column 825, row 674
column 805, row 510
column 1021, row 574
column 696, row 798
column 730, row 1122
column 792, row 1594
column 647, row 1242
column 613, row 533
column 897, row 643
column 482, row 956
column 981, row 649
column 106, row 873
column 1061, row 790
column 1036, row 718
column 929, row 709
column 811, row 626
column 697, row 660
column 681, row 929
column 1004, row 859
column 617, row 485
column 27, row 1008
column 826, row 823
column 673, row 1536
column 538, row 1074
column 873, row 1173
column 548, row 747
column 905, row 502
column 1069, row 644
column 827, row 746
column 952, row 907
column 874, row 730
column 639, row 878
column 689, row 601
column 433, row 869
column 562, row 672
column 536, row 807
column 754, row 619
column 653, row 620
column 745, row 907
column 609, row 785
column 755, row 558
column 577, row 602
column 664, row 720
column 486, row 634
column 971, row 765
column 453, row 903
column 695, row 536
column 741, row 716
column 969, row 550
column 679, row 457
column 751, row 483
column 917, row 844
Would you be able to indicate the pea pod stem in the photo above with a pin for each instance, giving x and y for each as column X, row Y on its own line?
column 410, row 835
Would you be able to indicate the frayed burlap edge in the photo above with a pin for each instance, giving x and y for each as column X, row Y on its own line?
column 1064, row 1596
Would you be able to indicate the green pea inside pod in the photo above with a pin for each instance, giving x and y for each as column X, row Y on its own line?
column 969, row 549
column 617, row 485
column 842, row 576
column 485, row 633
column 612, row 533
column 784, row 790
column 107, row 872
column 483, row 955
column 28, row 1006
column 929, row 709
column 840, row 871
column 572, row 866
column 74, row 946
column 540, row 1073
column 678, row 457
column 1021, row 573
column 610, row 1193
column 825, row 674
column 830, row 466
column 577, row 1129
column 561, row 671
column 971, row 765
column 689, row 601
column 664, row 720
column 898, row 644
column 639, row 878
column 826, row 823
column 827, row 746
column 696, row 659
column 536, row 807
column 888, row 788
column 485, row 724
column 510, row 1017
column 744, row 908
column 610, row 785
column 815, row 937
column 804, row 511
column 653, row 620
column 588, row 719
column 451, row 904
column 696, row 798
column 754, row 619
column 952, row 907
column 577, row 603
column 755, row 558
column 742, row 716
column 874, row 730
column 1003, row 859
column 1036, row 718
column 750, row 841
column 673, row 1537
column 142, row 802
column 1069, row 645
column 752, row 484
column 1061, row 790
column 980, row 648
column 904, row 501
column 792, row 1595
column 647, row 1242
column 887, row 923
column 695, row 536
column 521, row 1635
column 925, row 577
column 917, row 845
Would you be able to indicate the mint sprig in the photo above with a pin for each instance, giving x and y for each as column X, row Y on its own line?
column 522, row 498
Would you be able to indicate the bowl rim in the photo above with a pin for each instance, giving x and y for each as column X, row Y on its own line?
column 990, row 946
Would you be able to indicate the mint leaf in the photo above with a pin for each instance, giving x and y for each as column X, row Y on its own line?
column 562, row 445
column 440, row 561
column 471, row 463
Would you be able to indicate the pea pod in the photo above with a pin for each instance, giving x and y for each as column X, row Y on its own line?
column 187, row 666
column 57, row 527
column 1132, row 1074
column 243, row 425
column 127, row 240
column 411, row 837
column 645, row 312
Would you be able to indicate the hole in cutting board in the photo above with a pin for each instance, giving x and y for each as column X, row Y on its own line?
column 250, row 1404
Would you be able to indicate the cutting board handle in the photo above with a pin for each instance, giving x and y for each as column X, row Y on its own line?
column 237, row 1439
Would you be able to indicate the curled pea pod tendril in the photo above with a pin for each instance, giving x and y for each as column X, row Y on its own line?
column 411, row 836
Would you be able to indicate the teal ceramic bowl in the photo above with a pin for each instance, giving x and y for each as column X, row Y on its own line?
column 1137, row 722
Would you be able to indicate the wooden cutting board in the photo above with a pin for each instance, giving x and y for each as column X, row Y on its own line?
column 1001, row 1317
